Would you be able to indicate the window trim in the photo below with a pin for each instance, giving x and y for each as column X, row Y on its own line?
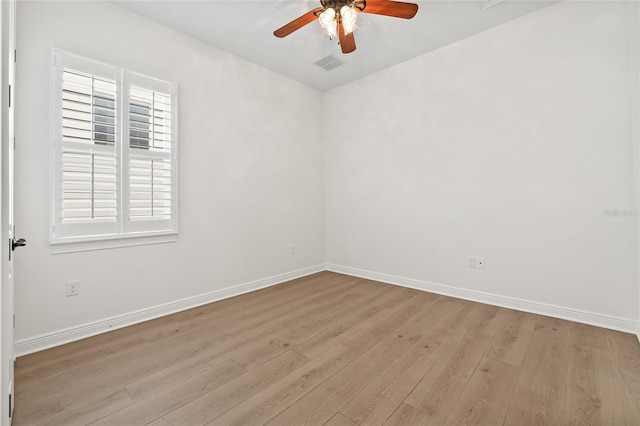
column 125, row 235
column 109, row 242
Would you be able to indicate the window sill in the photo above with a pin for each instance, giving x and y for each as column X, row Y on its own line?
column 111, row 242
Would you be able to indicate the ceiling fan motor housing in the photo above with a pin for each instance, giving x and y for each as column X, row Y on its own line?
column 338, row 4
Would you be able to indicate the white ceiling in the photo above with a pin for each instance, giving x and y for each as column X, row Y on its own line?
column 245, row 28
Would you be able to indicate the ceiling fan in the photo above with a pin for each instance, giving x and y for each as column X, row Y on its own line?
column 338, row 18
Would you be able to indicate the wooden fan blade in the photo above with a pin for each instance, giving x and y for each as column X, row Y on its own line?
column 298, row 23
column 347, row 41
column 397, row 9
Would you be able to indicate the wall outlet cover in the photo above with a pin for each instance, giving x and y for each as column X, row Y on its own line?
column 73, row 288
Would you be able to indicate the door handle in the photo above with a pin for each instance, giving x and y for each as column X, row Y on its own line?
column 18, row 243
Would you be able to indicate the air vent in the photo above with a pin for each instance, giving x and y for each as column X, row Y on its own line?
column 329, row 63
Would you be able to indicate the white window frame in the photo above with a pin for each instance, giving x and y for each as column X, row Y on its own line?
column 65, row 237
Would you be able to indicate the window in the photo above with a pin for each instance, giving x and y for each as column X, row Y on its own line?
column 114, row 153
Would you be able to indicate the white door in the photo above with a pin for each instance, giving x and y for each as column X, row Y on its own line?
column 7, row 245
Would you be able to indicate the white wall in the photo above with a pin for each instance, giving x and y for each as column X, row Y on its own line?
column 251, row 171
column 509, row 145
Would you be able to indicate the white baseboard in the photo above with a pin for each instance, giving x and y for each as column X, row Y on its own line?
column 71, row 334
column 612, row 322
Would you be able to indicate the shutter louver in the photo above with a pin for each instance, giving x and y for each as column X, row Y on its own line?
column 89, row 188
column 150, row 189
column 149, row 120
column 89, row 170
column 88, row 109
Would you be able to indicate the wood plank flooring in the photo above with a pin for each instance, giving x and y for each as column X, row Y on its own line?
column 329, row 349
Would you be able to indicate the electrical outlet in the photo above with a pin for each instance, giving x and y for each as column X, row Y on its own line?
column 73, row 288
column 480, row 262
column 293, row 249
column 471, row 262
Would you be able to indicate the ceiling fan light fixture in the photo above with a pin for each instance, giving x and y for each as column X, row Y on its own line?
column 348, row 15
column 328, row 21
column 338, row 18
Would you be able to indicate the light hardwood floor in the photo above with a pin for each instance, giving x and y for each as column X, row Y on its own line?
column 336, row 350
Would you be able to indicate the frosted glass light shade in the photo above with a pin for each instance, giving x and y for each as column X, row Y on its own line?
column 349, row 16
column 328, row 21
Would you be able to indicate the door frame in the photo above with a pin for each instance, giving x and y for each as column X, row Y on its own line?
column 7, row 97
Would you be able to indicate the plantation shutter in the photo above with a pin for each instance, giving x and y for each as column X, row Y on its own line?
column 150, row 151
column 86, row 159
column 114, row 152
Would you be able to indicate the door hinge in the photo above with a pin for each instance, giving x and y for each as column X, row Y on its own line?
column 9, row 96
column 15, row 56
column 14, row 320
column 10, row 411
